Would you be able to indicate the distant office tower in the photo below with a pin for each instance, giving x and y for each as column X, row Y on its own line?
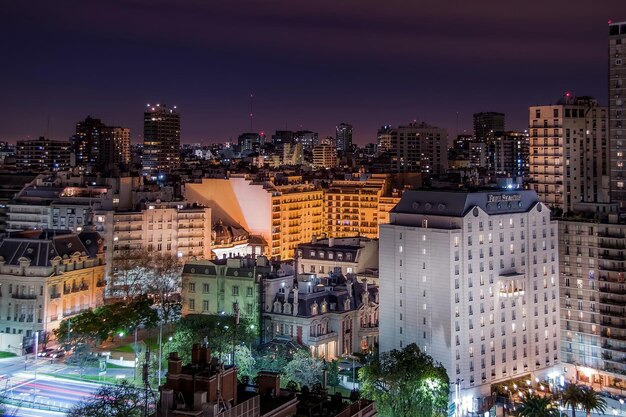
column 472, row 279
column 42, row 155
column 115, row 147
column 343, row 137
column 293, row 154
column 420, row 147
column 306, row 138
column 250, row 141
column 617, row 96
column 161, row 139
column 324, row 156
column 384, row 138
column 569, row 153
column 487, row 124
column 86, row 141
column 511, row 154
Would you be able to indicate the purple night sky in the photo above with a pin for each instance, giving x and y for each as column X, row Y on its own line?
column 310, row 64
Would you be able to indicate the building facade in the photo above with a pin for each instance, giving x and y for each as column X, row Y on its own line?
column 343, row 137
column 617, row 128
column 345, row 256
column 569, row 152
column 161, row 139
column 324, row 156
column 487, row 125
column 472, row 279
column 420, row 147
column 46, row 277
column 42, row 155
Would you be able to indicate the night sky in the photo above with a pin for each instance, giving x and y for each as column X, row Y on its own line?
column 309, row 64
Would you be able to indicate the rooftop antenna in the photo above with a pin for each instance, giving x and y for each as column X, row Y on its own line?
column 251, row 112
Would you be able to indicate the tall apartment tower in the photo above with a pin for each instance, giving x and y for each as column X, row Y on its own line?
column 86, row 142
column 115, row 147
column 569, row 152
column 161, row 139
column 472, row 279
column 487, row 124
column 343, row 137
column 419, row 147
column 617, row 96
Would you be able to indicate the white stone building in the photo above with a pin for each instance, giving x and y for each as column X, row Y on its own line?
column 472, row 279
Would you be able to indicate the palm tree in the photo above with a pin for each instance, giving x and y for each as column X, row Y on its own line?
column 572, row 396
column 592, row 401
column 536, row 406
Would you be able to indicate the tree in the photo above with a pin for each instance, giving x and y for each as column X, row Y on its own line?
column 82, row 357
column 130, row 271
column 591, row 401
column 332, row 373
column 304, row 369
column 164, row 280
column 406, row 382
column 244, row 361
column 536, row 406
column 571, row 397
column 122, row 400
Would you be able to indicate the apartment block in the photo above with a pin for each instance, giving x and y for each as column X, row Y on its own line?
column 617, row 127
column 569, row 152
column 420, row 147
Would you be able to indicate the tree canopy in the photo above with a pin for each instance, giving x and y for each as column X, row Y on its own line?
column 406, row 382
column 121, row 400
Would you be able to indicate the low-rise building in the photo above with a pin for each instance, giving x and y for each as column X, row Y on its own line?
column 334, row 316
column 348, row 255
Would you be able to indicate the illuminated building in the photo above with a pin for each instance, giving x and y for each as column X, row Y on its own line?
column 617, row 127
column 46, row 277
column 161, row 139
column 324, row 156
column 343, row 137
column 472, row 279
column 569, row 153
column 352, row 207
column 42, row 155
column 283, row 215
column 420, row 147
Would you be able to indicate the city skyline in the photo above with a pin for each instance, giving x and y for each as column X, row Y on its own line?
column 339, row 64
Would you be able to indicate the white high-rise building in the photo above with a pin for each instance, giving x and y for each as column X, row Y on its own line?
column 472, row 278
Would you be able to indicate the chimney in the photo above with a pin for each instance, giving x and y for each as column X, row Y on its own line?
column 331, row 242
column 174, row 364
column 269, row 383
column 195, row 353
column 314, row 240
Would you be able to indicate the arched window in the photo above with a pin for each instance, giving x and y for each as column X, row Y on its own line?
column 277, row 306
column 340, row 256
column 331, row 255
column 348, row 256
column 314, row 309
column 320, row 254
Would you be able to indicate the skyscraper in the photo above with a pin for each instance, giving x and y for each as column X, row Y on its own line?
column 343, row 137
column 161, row 139
column 569, row 153
column 486, row 124
column 86, row 141
column 617, row 92
column 115, row 147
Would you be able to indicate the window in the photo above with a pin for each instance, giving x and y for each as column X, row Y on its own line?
column 205, row 305
column 192, row 304
column 249, row 291
column 192, row 287
column 205, row 288
column 235, row 290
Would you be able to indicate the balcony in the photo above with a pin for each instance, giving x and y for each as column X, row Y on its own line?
column 55, row 295
column 24, row 296
column 323, row 338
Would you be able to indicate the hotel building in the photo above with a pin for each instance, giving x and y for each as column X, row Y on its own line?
column 472, row 279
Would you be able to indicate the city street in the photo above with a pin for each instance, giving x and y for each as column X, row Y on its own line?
column 33, row 391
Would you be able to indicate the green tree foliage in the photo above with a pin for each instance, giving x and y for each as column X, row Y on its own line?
column 82, row 358
column 244, row 361
column 406, row 382
column 571, row 397
column 536, row 406
column 591, row 401
column 122, row 400
column 219, row 331
column 332, row 373
column 95, row 326
column 304, row 369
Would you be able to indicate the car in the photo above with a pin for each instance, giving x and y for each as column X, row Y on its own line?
column 45, row 352
column 58, row 353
